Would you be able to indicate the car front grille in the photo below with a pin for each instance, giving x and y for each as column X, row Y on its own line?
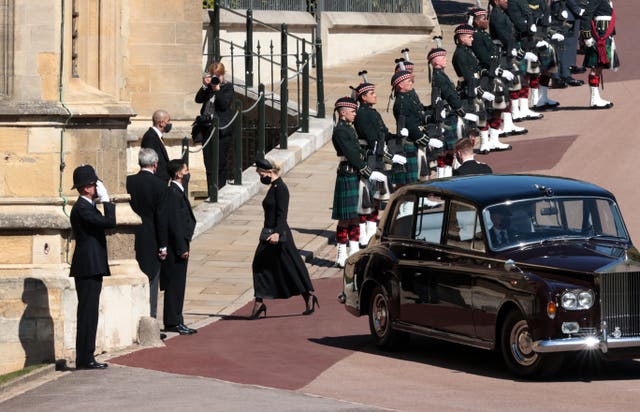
column 620, row 303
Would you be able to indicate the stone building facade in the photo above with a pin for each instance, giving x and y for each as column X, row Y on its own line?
column 79, row 80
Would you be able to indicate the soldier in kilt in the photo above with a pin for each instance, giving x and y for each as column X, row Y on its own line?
column 470, row 74
column 597, row 31
column 520, row 15
column 499, row 77
column 410, row 116
column 351, row 196
column 373, row 135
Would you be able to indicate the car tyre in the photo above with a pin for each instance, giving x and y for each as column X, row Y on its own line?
column 380, row 322
column 517, row 350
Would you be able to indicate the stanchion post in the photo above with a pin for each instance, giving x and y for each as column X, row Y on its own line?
column 237, row 145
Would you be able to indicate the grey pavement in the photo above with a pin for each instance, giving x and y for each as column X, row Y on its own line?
column 127, row 389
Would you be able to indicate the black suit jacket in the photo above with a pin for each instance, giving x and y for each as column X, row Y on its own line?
column 88, row 225
column 182, row 222
column 472, row 167
column 149, row 200
column 151, row 140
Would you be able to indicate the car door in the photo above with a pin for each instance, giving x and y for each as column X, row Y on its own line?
column 419, row 262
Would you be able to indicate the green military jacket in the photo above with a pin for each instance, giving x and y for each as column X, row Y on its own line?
column 345, row 141
column 501, row 28
column 408, row 106
column 467, row 66
column 440, row 82
column 369, row 125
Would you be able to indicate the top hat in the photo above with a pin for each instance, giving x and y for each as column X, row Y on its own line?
column 84, row 175
column 264, row 164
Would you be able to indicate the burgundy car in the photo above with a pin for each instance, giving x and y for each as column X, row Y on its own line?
column 531, row 266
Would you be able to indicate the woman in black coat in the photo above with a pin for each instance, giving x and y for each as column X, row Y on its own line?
column 216, row 95
column 278, row 269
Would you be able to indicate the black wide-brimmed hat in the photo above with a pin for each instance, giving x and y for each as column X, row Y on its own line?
column 84, row 175
column 264, row 164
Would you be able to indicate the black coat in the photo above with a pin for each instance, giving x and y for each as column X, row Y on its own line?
column 151, row 140
column 149, row 200
column 221, row 104
column 88, row 225
column 182, row 221
column 472, row 167
column 278, row 270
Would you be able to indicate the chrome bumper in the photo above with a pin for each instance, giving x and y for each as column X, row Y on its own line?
column 602, row 341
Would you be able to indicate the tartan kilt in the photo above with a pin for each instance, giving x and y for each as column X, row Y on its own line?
column 410, row 172
column 591, row 56
column 346, row 197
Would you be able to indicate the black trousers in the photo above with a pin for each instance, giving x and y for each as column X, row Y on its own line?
column 223, row 151
column 154, row 280
column 174, row 280
column 88, row 290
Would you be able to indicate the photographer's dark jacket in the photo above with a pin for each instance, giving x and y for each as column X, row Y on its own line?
column 221, row 104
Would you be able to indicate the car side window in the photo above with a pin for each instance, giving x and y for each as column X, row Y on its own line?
column 463, row 227
column 402, row 222
column 429, row 218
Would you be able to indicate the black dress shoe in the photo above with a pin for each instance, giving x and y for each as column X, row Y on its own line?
column 92, row 365
column 163, row 336
column 181, row 329
column 577, row 69
column 558, row 84
column 573, row 82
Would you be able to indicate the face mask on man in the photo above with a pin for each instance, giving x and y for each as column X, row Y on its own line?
column 185, row 179
column 265, row 180
column 167, row 127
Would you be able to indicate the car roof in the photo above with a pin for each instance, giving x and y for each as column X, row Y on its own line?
column 485, row 190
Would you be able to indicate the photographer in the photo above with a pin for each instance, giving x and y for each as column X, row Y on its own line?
column 215, row 95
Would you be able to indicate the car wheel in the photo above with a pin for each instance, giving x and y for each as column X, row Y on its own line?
column 518, row 353
column 380, row 322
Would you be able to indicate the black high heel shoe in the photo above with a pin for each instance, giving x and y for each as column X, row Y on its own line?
column 311, row 307
column 258, row 310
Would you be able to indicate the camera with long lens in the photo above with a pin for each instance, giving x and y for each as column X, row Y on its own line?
column 215, row 80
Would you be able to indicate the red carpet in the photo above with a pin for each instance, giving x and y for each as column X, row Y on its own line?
column 252, row 351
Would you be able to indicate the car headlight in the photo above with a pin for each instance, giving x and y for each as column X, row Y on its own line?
column 577, row 299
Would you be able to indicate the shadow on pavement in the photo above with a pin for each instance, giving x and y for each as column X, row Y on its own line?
column 581, row 367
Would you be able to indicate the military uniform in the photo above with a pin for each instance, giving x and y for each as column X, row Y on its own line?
column 410, row 114
column 597, row 31
column 468, row 68
column 346, row 200
column 522, row 20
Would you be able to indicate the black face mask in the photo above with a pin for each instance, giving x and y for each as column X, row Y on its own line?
column 265, row 180
column 185, row 179
column 167, row 128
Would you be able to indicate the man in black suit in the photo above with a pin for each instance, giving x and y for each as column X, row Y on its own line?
column 182, row 222
column 89, row 263
column 149, row 200
column 468, row 165
column 152, row 139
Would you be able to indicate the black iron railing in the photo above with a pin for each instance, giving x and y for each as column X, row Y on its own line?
column 266, row 116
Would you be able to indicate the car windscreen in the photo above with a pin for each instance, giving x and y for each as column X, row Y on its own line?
column 552, row 218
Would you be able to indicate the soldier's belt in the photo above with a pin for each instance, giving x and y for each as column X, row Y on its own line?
column 346, row 169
